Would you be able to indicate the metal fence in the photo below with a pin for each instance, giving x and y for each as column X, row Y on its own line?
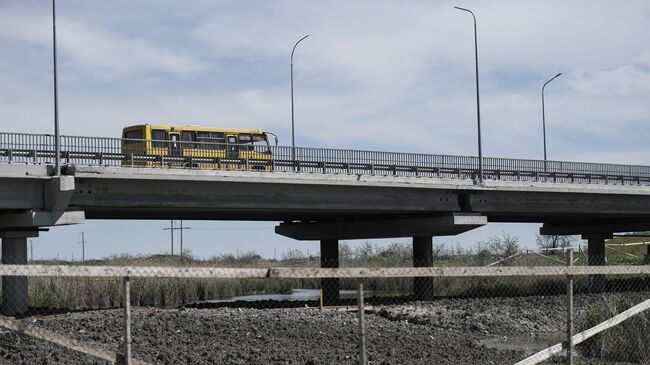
column 100, row 151
column 195, row 312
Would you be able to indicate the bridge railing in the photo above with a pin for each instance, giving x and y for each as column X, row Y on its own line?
column 103, row 151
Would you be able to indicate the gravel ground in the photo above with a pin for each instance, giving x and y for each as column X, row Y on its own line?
column 448, row 331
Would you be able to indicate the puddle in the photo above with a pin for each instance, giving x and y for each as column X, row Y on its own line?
column 522, row 343
column 296, row 294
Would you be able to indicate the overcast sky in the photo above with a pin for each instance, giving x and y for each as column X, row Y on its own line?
column 381, row 75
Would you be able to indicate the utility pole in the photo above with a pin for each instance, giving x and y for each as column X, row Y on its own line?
column 478, row 105
column 83, row 248
column 171, row 231
column 293, row 134
column 31, row 250
column 181, row 229
column 57, row 139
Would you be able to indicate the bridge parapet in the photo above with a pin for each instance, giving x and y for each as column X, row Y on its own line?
column 100, row 151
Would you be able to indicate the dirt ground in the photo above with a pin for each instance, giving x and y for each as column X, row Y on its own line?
column 446, row 331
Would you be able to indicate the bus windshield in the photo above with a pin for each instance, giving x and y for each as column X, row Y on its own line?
column 254, row 142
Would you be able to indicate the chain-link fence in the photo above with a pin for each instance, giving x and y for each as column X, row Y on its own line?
column 465, row 309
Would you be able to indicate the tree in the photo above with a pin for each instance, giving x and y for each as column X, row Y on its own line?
column 554, row 241
column 503, row 246
column 345, row 252
column 364, row 251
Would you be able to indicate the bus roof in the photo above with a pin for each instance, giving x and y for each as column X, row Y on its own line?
column 196, row 128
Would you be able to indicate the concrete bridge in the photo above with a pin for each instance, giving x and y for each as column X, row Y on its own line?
column 324, row 195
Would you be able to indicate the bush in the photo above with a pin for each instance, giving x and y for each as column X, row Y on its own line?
column 627, row 342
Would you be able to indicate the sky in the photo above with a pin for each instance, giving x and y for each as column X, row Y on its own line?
column 376, row 74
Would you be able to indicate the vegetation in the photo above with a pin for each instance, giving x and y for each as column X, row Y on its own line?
column 626, row 342
column 554, row 241
column 504, row 249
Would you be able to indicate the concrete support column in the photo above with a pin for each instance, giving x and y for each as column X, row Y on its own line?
column 14, row 288
column 423, row 257
column 329, row 258
column 596, row 258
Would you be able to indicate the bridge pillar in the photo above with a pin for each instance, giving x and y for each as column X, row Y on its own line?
column 14, row 288
column 423, row 257
column 329, row 258
column 596, row 253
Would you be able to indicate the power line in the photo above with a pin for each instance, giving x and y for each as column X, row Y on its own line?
column 171, row 230
column 232, row 229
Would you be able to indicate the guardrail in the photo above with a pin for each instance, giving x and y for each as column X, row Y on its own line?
column 102, row 151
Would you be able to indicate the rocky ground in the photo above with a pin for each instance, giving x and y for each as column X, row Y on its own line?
column 447, row 331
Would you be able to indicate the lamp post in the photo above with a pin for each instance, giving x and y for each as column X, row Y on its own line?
column 293, row 135
column 57, row 146
column 544, row 116
column 478, row 107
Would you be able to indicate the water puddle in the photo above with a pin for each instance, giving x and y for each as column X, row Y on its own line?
column 295, row 295
column 522, row 343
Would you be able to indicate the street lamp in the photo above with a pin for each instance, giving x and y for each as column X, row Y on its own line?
column 544, row 116
column 57, row 146
column 478, row 107
column 293, row 135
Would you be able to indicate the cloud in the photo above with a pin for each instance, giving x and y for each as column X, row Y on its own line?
column 373, row 74
column 102, row 53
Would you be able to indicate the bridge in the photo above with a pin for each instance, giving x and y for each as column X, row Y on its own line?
column 317, row 194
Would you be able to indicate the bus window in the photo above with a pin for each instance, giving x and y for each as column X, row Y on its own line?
column 187, row 137
column 211, row 140
column 233, row 148
column 136, row 134
column 159, row 136
column 254, row 142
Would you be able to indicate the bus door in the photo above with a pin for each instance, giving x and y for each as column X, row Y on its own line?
column 174, row 144
column 232, row 147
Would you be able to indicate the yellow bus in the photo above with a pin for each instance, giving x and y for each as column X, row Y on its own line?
column 198, row 147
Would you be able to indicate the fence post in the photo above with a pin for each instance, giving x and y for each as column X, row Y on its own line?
column 363, row 356
column 569, row 321
column 127, row 321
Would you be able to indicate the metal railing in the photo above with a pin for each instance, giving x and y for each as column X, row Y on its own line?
column 102, row 151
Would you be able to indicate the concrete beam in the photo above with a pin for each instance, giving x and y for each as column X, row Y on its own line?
column 26, row 220
column 444, row 225
column 595, row 228
column 577, row 201
column 58, row 192
column 329, row 258
column 120, row 193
